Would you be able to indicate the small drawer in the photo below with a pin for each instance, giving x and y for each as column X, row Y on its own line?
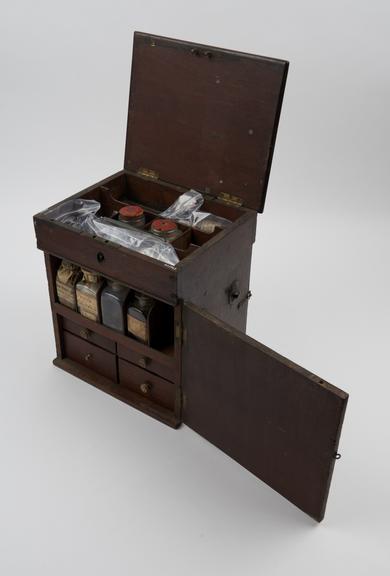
column 146, row 385
column 90, row 356
column 144, row 361
column 88, row 335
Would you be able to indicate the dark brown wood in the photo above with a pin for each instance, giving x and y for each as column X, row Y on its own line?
column 82, row 354
column 146, row 360
column 218, row 110
column 90, row 356
column 207, row 279
column 51, row 270
column 276, row 419
column 144, row 405
column 202, row 118
column 126, row 266
column 89, row 335
column 165, row 357
column 146, row 385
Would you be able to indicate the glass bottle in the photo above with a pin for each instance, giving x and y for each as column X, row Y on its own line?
column 138, row 314
column 88, row 295
column 133, row 215
column 67, row 276
column 112, row 304
column 167, row 229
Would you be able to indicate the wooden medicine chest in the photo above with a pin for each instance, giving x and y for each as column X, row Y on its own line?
column 199, row 118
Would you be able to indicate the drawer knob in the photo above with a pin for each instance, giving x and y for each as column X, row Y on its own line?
column 88, row 357
column 145, row 387
column 143, row 361
column 85, row 333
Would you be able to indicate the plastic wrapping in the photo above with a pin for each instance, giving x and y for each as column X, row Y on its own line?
column 81, row 214
column 186, row 211
column 184, row 207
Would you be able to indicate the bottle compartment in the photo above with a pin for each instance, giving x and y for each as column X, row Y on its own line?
column 154, row 197
column 161, row 321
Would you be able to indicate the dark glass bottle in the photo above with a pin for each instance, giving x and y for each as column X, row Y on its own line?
column 138, row 314
column 113, row 302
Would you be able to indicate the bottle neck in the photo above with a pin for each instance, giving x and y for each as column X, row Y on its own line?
column 68, row 265
column 142, row 300
column 114, row 285
column 90, row 277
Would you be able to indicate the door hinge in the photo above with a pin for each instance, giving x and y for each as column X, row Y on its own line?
column 148, row 173
column 230, row 199
column 180, row 333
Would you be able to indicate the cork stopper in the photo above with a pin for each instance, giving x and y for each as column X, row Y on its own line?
column 90, row 277
column 130, row 212
column 68, row 265
column 163, row 226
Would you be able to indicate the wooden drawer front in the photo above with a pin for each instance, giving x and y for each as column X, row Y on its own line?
column 144, row 361
column 90, row 356
column 147, row 385
column 88, row 335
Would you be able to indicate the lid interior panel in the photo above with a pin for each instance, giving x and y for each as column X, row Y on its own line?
column 203, row 117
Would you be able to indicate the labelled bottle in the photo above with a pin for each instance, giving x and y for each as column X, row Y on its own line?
column 67, row 277
column 113, row 300
column 138, row 314
column 88, row 292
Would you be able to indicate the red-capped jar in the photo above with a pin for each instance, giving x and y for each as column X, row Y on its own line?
column 133, row 215
column 167, row 229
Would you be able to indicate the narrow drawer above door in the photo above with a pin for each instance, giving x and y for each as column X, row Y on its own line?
column 89, row 335
column 90, row 356
column 146, row 385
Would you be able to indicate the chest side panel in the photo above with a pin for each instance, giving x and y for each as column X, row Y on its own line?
column 210, row 279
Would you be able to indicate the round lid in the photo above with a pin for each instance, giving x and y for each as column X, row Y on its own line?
column 131, row 211
column 163, row 225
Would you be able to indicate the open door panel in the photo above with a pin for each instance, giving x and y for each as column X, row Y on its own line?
column 274, row 418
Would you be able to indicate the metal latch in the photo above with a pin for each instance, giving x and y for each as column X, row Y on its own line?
column 148, row 173
column 230, row 199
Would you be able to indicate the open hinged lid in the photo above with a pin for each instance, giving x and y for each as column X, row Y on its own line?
column 203, row 117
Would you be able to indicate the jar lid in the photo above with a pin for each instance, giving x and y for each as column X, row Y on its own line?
column 131, row 211
column 163, row 225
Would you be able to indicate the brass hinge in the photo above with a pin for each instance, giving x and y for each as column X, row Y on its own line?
column 230, row 199
column 147, row 173
column 180, row 333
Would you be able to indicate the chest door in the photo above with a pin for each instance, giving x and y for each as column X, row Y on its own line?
column 273, row 417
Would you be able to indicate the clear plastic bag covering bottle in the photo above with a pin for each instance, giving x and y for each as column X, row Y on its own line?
column 186, row 210
column 81, row 214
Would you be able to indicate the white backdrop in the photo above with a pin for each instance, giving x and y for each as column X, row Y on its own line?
column 89, row 486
